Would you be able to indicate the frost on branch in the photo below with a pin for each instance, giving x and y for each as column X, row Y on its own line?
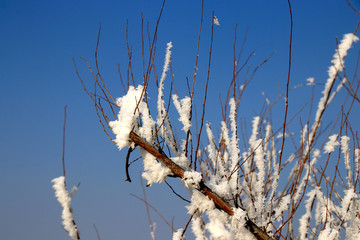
column 199, row 202
column 154, row 171
column 183, row 107
column 238, row 222
column 346, row 152
column 182, row 161
column 163, row 120
column 216, row 21
column 178, row 235
column 132, row 107
column 218, row 225
column 127, row 116
column 331, row 144
column 64, row 199
column 310, row 81
column 336, row 67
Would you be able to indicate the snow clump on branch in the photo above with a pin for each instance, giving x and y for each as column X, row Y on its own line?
column 127, row 116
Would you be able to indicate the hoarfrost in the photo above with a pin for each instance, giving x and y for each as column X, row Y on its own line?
column 154, row 171
column 331, row 144
column 127, row 116
column 310, row 81
column 199, row 202
column 337, row 66
column 178, row 235
column 184, row 109
column 216, row 21
column 217, row 226
column 192, row 179
column 64, row 199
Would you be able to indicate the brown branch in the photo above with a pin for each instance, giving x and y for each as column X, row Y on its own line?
column 129, row 51
column 356, row 12
column 63, row 150
column 147, row 206
column 287, row 86
column 180, row 172
column 103, row 87
column 206, row 88
column 121, row 80
column 187, row 224
column 82, row 82
column 194, row 79
column 175, row 169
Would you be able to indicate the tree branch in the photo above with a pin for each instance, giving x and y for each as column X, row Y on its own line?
column 179, row 172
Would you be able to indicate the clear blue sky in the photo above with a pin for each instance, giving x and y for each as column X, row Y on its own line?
column 37, row 78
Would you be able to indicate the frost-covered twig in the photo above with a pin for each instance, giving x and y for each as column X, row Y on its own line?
column 334, row 69
column 64, row 199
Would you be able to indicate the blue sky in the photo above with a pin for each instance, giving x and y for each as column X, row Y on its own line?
column 37, row 77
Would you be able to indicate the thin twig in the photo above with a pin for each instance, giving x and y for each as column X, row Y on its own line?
column 187, row 224
column 194, row 79
column 97, row 232
column 172, row 189
column 146, row 203
column 206, row 88
column 155, row 210
column 287, row 86
column 63, row 150
column 127, row 165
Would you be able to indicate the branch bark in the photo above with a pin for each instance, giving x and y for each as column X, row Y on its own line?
column 179, row 172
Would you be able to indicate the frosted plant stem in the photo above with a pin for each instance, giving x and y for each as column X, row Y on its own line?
column 64, row 198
